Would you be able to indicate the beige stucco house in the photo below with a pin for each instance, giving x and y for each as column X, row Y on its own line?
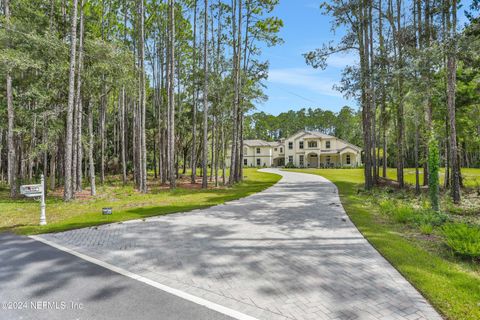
column 305, row 149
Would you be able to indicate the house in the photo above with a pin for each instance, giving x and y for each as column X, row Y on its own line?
column 305, row 149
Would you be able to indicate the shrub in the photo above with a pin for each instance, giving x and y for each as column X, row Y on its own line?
column 426, row 229
column 463, row 239
column 404, row 214
column 387, row 206
column 430, row 217
column 290, row 165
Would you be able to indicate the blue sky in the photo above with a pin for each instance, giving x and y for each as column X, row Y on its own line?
column 292, row 84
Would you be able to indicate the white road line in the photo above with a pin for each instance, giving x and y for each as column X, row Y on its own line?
column 208, row 304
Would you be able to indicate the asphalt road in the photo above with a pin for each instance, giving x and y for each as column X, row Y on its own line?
column 40, row 282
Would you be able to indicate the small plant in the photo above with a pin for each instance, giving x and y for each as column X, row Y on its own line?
column 433, row 218
column 404, row 214
column 290, row 165
column 387, row 207
column 426, row 229
column 463, row 239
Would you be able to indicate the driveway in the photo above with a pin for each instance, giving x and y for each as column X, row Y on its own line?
column 289, row 252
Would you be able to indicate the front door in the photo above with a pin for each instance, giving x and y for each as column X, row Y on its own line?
column 312, row 160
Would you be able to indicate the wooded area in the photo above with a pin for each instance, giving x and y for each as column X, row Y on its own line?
column 100, row 87
column 417, row 80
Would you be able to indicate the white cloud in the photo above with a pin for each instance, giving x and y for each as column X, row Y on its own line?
column 342, row 60
column 304, row 78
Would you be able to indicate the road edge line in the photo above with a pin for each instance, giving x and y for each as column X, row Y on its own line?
column 181, row 294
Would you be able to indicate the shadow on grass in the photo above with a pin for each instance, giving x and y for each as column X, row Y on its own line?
column 211, row 197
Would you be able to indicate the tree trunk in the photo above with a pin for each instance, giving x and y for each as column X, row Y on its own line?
column 171, row 96
column 451, row 89
column 68, row 190
column 53, row 167
column 79, row 108
column 122, row 138
column 233, row 158
column 400, row 112
column 205, row 100
column 11, row 163
column 193, row 160
column 91, row 160
column 142, row 106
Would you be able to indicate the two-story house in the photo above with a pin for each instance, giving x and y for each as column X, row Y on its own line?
column 305, row 149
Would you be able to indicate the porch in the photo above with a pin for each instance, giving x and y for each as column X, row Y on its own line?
column 332, row 160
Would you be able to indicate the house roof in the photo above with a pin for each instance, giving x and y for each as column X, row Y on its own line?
column 306, row 134
column 318, row 134
column 260, row 143
column 349, row 146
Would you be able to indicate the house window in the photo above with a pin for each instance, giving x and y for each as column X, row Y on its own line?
column 281, row 150
column 290, row 159
column 300, row 144
column 245, row 162
column 258, row 162
column 328, row 159
column 312, row 144
column 327, row 144
column 348, row 159
column 301, row 160
column 245, row 150
column 258, row 150
column 290, row 145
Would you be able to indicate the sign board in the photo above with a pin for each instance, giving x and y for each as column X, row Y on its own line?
column 31, row 190
column 106, row 210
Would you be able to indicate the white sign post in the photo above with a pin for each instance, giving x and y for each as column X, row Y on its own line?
column 43, row 217
column 35, row 191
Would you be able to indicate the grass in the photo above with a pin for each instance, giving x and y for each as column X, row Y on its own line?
column 471, row 176
column 22, row 215
column 451, row 284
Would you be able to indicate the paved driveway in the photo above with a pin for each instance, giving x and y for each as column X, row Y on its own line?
column 289, row 252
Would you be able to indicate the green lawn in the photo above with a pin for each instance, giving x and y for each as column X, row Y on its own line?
column 450, row 284
column 471, row 176
column 22, row 215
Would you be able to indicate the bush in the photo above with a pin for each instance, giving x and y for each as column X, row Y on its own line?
column 430, row 217
column 463, row 239
column 387, row 206
column 426, row 229
column 290, row 165
column 398, row 212
column 404, row 214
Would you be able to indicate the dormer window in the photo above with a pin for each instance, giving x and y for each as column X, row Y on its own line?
column 300, row 144
column 327, row 144
column 281, row 150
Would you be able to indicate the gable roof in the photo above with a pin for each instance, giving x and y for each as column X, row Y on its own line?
column 310, row 134
column 321, row 135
